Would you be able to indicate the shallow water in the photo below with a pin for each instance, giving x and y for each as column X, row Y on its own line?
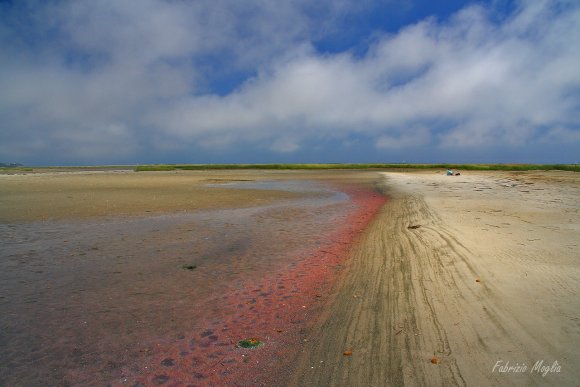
column 81, row 300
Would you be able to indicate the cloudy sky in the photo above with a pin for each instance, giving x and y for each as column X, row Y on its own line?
column 261, row 81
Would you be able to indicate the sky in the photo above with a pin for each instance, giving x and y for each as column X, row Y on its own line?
column 89, row 82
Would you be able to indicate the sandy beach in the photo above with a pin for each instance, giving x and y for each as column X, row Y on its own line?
column 457, row 279
column 358, row 278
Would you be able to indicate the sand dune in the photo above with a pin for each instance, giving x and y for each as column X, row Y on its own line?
column 458, row 275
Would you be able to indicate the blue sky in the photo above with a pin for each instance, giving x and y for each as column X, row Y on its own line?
column 259, row 81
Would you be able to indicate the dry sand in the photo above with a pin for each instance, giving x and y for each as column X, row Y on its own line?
column 455, row 276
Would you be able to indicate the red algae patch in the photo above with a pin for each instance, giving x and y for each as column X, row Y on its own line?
column 277, row 308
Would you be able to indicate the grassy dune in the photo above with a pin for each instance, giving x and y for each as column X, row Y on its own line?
column 473, row 167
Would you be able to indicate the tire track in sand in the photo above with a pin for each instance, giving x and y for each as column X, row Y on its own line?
column 409, row 293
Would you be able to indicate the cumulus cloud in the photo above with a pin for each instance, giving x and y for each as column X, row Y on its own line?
column 100, row 79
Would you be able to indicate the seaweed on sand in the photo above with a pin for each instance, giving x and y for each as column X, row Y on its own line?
column 250, row 343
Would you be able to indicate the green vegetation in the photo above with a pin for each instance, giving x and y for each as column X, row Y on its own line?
column 465, row 167
column 169, row 167
column 250, row 343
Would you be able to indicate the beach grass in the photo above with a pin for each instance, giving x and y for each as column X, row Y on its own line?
column 470, row 167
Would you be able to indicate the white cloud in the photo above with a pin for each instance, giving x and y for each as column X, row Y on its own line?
column 487, row 81
column 116, row 71
column 284, row 145
column 411, row 137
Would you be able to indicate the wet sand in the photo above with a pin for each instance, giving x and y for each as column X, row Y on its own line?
column 74, row 195
column 93, row 292
column 454, row 281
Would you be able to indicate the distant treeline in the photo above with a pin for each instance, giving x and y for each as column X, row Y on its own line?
column 470, row 167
